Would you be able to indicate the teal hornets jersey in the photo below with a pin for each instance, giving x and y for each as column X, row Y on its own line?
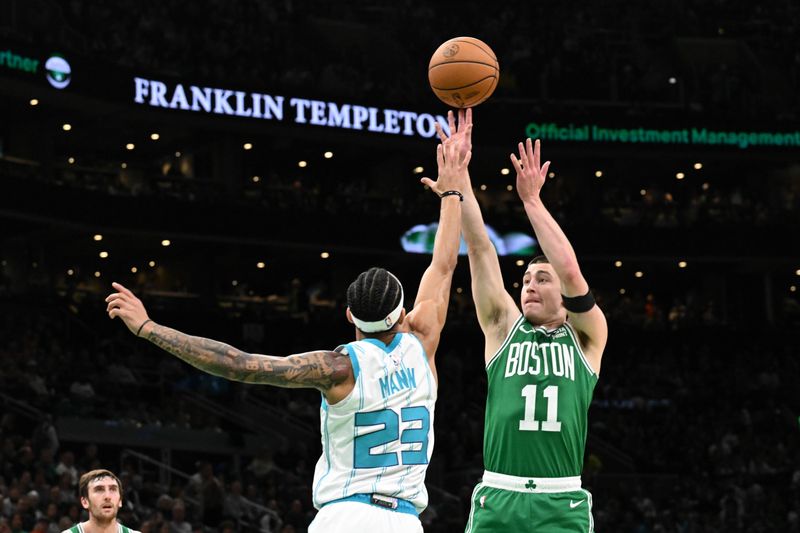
column 540, row 387
column 379, row 439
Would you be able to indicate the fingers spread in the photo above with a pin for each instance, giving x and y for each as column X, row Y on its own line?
column 440, row 156
column 515, row 162
column 440, row 132
column 523, row 157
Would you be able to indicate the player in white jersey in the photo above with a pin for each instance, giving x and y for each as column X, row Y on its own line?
column 101, row 496
column 378, row 392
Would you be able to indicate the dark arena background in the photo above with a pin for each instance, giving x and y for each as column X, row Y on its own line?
column 237, row 164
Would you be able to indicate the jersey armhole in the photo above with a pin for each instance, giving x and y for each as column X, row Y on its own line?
column 576, row 339
column 506, row 341
column 427, row 361
column 350, row 351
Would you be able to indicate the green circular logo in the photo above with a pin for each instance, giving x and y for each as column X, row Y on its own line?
column 59, row 73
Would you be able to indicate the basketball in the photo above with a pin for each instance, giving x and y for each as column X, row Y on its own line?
column 463, row 72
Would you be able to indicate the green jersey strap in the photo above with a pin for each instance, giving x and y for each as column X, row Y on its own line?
column 77, row 528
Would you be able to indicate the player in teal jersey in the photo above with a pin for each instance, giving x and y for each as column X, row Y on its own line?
column 101, row 496
column 542, row 366
column 378, row 393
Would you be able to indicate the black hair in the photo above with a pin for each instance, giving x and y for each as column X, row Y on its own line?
column 373, row 295
column 538, row 260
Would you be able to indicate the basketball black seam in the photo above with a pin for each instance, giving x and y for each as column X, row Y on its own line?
column 458, row 62
column 484, row 95
column 463, row 86
column 479, row 48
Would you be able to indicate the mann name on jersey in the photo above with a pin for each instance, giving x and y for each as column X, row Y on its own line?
column 402, row 379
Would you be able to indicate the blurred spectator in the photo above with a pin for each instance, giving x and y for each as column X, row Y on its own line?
column 204, row 486
column 66, row 467
column 178, row 524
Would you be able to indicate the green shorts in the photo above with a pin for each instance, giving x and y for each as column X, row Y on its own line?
column 498, row 510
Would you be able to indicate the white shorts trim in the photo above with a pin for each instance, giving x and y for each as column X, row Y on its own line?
column 357, row 517
column 531, row 484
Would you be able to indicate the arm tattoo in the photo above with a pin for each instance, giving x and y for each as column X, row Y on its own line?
column 320, row 370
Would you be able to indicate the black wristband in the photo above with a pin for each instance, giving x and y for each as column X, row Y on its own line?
column 140, row 327
column 579, row 304
column 452, row 193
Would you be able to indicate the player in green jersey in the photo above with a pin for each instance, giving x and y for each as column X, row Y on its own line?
column 542, row 366
column 101, row 496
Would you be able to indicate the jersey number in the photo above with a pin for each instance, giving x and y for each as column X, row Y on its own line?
column 363, row 444
column 529, row 423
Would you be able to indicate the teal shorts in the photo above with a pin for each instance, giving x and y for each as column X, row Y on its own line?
column 498, row 510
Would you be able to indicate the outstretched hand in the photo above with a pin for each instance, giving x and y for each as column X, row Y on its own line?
column 530, row 175
column 453, row 154
column 129, row 308
column 460, row 132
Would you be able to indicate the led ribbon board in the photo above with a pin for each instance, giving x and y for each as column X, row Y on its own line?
column 687, row 136
column 219, row 101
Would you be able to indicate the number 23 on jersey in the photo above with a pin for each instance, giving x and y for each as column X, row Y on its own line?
column 416, row 433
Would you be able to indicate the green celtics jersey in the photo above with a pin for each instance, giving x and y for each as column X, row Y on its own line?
column 540, row 388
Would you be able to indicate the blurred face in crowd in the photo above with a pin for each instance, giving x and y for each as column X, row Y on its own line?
column 178, row 513
column 541, row 295
column 104, row 499
column 46, row 456
column 52, row 512
column 24, row 504
column 91, row 451
column 26, row 455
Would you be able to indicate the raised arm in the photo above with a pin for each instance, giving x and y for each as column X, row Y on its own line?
column 590, row 324
column 427, row 318
column 322, row 370
column 496, row 309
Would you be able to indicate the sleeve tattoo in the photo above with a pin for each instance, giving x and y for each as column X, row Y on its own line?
column 320, row 369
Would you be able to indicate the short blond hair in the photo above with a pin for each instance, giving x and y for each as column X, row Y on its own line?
column 92, row 475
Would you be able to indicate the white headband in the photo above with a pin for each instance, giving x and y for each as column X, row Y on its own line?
column 385, row 324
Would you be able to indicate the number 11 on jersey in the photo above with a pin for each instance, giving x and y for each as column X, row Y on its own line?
column 529, row 423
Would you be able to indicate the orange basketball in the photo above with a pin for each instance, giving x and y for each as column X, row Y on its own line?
column 463, row 72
